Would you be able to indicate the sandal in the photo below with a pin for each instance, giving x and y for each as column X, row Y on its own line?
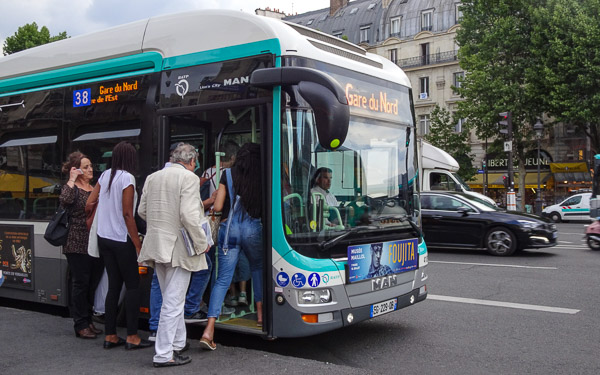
column 207, row 344
column 259, row 324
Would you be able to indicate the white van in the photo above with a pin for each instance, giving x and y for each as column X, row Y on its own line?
column 439, row 173
column 576, row 207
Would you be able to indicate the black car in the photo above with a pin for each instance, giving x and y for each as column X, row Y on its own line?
column 452, row 219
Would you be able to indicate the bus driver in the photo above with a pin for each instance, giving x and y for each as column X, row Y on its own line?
column 321, row 183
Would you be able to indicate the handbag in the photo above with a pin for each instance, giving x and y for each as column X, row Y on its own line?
column 57, row 230
column 89, row 215
column 214, row 220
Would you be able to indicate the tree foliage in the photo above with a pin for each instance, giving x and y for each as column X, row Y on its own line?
column 29, row 36
column 497, row 52
column 566, row 36
column 442, row 133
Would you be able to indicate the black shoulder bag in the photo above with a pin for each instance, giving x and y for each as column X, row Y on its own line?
column 57, row 231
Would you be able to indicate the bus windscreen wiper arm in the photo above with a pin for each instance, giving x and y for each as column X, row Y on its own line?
column 324, row 245
column 403, row 218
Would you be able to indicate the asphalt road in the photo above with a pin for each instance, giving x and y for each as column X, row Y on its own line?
column 536, row 312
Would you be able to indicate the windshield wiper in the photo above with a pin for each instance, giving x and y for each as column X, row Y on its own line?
column 327, row 244
column 403, row 218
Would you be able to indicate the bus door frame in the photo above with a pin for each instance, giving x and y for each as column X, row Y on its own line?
column 265, row 121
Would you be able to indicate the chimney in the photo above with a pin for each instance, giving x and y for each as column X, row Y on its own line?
column 335, row 5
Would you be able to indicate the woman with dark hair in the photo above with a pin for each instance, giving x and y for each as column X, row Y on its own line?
column 239, row 199
column 119, row 244
column 85, row 270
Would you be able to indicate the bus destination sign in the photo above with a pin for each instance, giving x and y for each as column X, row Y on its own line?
column 105, row 93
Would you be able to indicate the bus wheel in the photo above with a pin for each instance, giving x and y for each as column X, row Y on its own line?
column 500, row 241
column 555, row 216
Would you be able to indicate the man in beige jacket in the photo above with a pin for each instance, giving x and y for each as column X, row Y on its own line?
column 171, row 201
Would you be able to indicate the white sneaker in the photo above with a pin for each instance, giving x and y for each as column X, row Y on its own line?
column 242, row 300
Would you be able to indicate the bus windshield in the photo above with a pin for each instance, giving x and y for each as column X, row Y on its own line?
column 369, row 182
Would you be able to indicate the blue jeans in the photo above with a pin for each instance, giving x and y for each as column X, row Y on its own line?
column 245, row 234
column 198, row 284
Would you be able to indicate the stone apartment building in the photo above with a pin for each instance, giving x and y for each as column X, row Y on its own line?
column 419, row 36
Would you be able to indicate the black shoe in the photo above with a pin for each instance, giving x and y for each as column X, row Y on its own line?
column 110, row 345
column 186, row 347
column 177, row 360
column 143, row 344
column 196, row 317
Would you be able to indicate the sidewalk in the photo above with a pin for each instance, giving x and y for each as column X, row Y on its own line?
column 36, row 343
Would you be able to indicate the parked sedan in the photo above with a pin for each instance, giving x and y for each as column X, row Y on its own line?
column 452, row 219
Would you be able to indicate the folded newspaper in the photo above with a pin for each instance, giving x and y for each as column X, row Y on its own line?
column 189, row 244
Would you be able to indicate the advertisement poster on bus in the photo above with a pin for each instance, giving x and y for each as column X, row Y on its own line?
column 16, row 256
column 380, row 259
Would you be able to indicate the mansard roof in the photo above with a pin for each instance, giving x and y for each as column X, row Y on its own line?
column 362, row 13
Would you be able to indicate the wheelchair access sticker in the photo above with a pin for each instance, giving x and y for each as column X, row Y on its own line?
column 298, row 280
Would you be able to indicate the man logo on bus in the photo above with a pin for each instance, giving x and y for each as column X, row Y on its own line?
column 182, row 87
column 314, row 280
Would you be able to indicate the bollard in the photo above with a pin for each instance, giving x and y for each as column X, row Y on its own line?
column 511, row 201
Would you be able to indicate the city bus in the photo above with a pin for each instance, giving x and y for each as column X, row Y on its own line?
column 310, row 100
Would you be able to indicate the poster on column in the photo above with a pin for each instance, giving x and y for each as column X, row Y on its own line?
column 16, row 256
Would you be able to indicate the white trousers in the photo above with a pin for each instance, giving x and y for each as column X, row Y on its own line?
column 171, row 333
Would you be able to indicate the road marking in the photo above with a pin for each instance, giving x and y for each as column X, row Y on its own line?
column 565, row 241
column 495, row 265
column 559, row 310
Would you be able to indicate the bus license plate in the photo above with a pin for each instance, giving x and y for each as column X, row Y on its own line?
column 384, row 307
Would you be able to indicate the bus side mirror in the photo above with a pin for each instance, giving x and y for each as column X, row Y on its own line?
column 325, row 95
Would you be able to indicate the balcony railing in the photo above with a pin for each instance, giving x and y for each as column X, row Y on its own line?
column 436, row 58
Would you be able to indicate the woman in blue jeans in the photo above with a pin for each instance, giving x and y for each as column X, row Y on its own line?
column 239, row 199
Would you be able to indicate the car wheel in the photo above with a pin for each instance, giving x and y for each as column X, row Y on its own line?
column 500, row 241
column 555, row 216
column 593, row 244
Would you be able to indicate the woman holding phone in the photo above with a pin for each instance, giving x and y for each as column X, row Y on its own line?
column 85, row 270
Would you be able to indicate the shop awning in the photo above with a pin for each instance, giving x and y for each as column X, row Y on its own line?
column 580, row 167
column 573, row 177
column 496, row 180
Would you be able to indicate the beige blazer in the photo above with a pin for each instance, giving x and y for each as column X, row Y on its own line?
column 171, row 201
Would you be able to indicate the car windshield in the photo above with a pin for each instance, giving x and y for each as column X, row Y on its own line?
column 481, row 204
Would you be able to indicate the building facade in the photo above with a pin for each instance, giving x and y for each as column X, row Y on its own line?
column 419, row 36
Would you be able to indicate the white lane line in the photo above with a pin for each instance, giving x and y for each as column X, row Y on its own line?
column 559, row 310
column 565, row 241
column 495, row 265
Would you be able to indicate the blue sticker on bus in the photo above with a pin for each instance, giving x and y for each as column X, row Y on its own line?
column 298, row 280
column 314, row 280
column 282, row 279
column 380, row 259
column 81, row 98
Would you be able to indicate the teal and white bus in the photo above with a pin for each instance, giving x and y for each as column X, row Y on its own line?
column 208, row 77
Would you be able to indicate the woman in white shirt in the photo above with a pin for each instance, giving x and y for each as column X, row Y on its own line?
column 119, row 244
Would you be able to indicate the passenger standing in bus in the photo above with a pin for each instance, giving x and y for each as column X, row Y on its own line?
column 85, row 269
column 239, row 198
column 175, row 244
column 119, row 244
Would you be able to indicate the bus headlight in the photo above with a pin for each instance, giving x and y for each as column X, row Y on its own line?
column 314, row 296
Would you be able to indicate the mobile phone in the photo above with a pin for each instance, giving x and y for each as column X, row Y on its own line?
column 80, row 171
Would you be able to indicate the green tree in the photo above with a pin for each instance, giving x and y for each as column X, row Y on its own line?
column 442, row 133
column 566, row 38
column 29, row 36
column 496, row 52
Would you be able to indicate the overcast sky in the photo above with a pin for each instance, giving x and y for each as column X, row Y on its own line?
column 78, row 17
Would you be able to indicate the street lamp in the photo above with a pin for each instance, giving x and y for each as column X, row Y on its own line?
column 539, row 130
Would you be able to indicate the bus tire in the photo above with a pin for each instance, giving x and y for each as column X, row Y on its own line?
column 555, row 216
column 500, row 241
